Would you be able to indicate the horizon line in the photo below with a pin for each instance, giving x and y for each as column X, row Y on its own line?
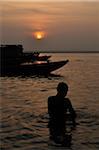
column 41, row 51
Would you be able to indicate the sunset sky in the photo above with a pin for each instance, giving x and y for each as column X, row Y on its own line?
column 61, row 25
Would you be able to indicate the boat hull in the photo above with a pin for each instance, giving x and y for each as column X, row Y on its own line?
column 43, row 68
column 35, row 68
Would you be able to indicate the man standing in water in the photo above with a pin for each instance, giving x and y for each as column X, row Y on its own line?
column 60, row 109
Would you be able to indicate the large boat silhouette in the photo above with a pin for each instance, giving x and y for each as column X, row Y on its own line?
column 16, row 62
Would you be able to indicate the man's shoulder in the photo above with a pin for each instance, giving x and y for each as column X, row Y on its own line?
column 67, row 100
column 51, row 100
column 51, row 97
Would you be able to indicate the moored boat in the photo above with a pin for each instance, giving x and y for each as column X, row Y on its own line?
column 15, row 62
column 41, row 68
column 34, row 56
column 43, row 58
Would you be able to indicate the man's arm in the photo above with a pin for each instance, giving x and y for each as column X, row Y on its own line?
column 50, row 106
column 71, row 110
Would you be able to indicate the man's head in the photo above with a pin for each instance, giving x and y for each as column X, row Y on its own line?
column 62, row 89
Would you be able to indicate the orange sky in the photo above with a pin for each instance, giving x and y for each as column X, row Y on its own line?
column 68, row 25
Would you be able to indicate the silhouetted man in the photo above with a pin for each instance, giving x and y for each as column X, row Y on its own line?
column 60, row 109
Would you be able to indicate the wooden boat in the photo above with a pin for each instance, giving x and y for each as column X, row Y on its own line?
column 41, row 67
column 43, row 58
column 13, row 62
column 38, row 57
column 32, row 57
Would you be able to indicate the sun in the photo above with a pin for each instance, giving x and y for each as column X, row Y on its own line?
column 39, row 35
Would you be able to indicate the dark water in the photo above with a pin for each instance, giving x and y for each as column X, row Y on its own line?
column 23, row 107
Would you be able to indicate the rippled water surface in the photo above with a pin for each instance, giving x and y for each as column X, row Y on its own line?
column 23, row 107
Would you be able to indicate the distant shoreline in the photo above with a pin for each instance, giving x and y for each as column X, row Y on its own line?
column 63, row 51
column 69, row 52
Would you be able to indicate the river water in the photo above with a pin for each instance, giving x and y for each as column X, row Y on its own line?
column 23, row 106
